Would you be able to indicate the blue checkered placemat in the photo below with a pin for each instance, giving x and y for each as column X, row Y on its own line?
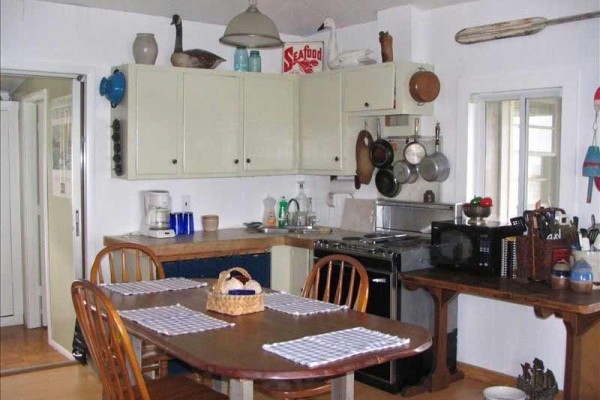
column 154, row 286
column 297, row 305
column 173, row 320
column 325, row 348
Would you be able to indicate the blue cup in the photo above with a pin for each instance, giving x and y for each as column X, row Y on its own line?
column 187, row 225
column 175, row 220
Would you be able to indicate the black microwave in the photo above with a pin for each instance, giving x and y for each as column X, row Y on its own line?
column 488, row 248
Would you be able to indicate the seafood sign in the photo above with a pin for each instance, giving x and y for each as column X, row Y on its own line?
column 302, row 58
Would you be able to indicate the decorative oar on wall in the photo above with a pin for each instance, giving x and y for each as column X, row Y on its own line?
column 519, row 27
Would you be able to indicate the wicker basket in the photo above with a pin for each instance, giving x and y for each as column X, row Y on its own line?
column 234, row 304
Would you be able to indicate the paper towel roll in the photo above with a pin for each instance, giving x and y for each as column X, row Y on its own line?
column 340, row 186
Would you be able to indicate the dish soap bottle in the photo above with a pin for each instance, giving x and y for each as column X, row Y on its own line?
column 269, row 216
column 302, row 204
column 282, row 213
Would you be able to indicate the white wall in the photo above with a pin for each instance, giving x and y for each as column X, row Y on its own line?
column 51, row 37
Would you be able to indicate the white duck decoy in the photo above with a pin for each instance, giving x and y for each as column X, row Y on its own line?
column 348, row 58
column 194, row 58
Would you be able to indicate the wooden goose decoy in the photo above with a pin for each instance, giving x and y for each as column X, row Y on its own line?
column 349, row 58
column 194, row 58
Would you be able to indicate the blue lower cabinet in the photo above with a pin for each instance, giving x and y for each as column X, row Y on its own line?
column 257, row 265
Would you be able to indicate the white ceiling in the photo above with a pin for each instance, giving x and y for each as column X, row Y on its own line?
column 295, row 17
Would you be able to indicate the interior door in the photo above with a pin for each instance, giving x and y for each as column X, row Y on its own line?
column 11, row 302
column 64, row 211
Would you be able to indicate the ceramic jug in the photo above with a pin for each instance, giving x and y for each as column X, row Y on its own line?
column 581, row 277
column 145, row 49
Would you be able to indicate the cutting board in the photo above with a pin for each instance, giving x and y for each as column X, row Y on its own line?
column 364, row 166
column 358, row 215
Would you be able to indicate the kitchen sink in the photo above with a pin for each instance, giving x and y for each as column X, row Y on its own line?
column 301, row 230
column 264, row 229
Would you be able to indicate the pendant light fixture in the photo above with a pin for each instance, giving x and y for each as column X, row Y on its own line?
column 251, row 29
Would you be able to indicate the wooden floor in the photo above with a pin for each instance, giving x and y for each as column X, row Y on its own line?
column 76, row 382
column 24, row 349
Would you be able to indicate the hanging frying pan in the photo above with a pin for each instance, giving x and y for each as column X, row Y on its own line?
column 364, row 166
column 386, row 183
column 424, row 86
column 414, row 152
column 381, row 151
column 435, row 167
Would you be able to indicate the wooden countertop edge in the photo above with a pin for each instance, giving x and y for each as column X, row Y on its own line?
column 532, row 299
column 175, row 249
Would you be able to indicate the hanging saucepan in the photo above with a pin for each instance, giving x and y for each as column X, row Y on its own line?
column 381, row 151
column 414, row 152
column 435, row 168
column 424, row 86
column 405, row 172
column 386, row 183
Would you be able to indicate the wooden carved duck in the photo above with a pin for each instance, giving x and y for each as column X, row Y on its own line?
column 349, row 58
column 195, row 58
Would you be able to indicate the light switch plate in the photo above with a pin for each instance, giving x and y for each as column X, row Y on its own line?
column 186, row 202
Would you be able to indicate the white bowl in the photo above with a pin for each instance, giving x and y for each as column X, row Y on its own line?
column 504, row 393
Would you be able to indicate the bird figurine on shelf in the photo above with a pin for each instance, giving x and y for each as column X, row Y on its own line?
column 348, row 58
column 195, row 58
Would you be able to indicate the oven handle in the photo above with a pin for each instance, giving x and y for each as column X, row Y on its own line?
column 379, row 280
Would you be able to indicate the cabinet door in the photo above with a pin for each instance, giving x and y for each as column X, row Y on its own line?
column 320, row 122
column 211, row 119
column 369, row 88
column 269, row 123
column 157, row 122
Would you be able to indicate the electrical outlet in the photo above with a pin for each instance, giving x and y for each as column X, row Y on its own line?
column 187, row 203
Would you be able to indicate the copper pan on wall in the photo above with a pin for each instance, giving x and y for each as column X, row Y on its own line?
column 424, row 86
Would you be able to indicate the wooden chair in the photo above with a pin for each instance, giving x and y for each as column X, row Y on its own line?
column 337, row 279
column 115, row 359
column 126, row 262
column 129, row 262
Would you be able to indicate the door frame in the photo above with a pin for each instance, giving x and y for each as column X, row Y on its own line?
column 14, row 182
column 88, row 74
column 34, row 201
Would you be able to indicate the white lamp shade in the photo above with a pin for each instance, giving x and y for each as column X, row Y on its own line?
column 251, row 29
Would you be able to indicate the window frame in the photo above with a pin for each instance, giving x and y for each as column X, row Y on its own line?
column 478, row 102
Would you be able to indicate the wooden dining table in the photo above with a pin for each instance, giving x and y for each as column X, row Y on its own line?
column 236, row 352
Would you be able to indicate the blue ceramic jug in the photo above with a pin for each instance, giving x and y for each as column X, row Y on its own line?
column 581, row 277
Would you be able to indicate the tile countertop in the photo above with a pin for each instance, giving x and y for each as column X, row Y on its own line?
column 224, row 242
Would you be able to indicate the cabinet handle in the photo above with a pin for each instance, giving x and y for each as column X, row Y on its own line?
column 337, row 158
column 174, row 161
column 366, row 104
column 236, row 161
column 248, row 160
column 379, row 280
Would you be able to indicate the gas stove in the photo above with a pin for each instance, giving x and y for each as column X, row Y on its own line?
column 400, row 242
column 380, row 244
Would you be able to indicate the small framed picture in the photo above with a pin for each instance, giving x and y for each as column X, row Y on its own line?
column 302, row 58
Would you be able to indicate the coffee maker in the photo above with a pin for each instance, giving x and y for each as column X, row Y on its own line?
column 157, row 209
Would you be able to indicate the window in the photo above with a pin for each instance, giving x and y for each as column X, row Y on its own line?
column 521, row 138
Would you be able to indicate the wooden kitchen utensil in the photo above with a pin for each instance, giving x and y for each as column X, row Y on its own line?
column 520, row 27
column 364, row 166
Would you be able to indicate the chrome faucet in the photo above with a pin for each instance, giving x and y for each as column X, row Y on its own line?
column 293, row 218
